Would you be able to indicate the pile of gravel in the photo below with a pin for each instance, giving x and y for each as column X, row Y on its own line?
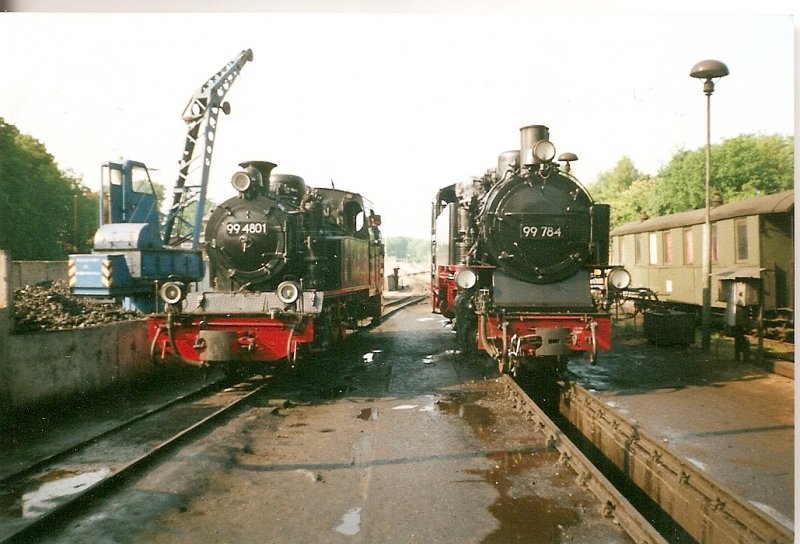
column 49, row 306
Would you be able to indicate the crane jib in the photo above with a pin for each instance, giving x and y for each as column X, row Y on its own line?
column 200, row 115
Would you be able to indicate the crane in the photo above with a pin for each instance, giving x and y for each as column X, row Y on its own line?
column 133, row 253
column 200, row 115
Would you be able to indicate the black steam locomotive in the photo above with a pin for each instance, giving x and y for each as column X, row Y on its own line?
column 292, row 269
column 521, row 259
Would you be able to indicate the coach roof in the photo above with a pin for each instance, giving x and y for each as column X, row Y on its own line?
column 775, row 203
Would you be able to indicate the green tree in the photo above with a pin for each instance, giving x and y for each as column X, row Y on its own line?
column 741, row 167
column 404, row 248
column 610, row 183
column 46, row 213
column 625, row 189
column 397, row 246
column 633, row 203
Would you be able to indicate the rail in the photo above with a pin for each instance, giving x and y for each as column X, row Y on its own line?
column 706, row 510
column 615, row 504
column 102, row 474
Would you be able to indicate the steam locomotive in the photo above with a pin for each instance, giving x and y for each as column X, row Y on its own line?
column 292, row 269
column 520, row 260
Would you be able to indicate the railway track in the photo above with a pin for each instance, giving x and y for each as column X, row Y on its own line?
column 49, row 488
column 54, row 488
column 706, row 510
column 393, row 306
column 615, row 505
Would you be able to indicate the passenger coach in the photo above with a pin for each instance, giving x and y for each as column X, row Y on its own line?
column 749, row 239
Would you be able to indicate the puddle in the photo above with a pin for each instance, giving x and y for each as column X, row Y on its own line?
column 351, row 522
column 430, row 404
column 428, row 360
column 528, row 518
column 479, row 418
column 530, row 506
column 29, row 501
column 308, row 475
column 370, row 356
column 368, row 414
column 405, row 407
column 699, row 464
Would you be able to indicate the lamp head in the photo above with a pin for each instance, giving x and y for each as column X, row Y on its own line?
column 709, row 69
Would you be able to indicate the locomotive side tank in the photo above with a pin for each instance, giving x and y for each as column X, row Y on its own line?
column 521, row 259
column 292, row 268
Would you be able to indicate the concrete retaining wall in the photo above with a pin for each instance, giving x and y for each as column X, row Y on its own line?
column 32, row 272
column 38, row 369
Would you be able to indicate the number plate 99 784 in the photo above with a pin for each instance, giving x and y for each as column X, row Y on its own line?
column 540, row 231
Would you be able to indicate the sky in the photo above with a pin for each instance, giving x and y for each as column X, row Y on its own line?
column 393, row 103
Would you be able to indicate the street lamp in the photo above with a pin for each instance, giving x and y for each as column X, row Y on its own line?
column 708, row 70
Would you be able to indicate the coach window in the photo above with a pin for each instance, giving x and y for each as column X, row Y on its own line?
column 666, row 239
column 653, row 247
column 638, row 246
column 740, row 226
column 688, row 246
column 714, row 252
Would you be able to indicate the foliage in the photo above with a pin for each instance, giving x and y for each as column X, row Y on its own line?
column 46, row 213
column 404, row 248
column 741, row 167
column 625, row 189
column 618, row 179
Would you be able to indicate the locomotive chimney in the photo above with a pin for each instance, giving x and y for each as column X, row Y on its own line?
column 529, row 137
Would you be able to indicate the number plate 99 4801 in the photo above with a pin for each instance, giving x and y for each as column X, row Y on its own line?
column 250, row 227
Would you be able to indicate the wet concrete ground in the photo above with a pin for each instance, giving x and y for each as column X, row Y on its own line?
column 396, row 441
column 733, row 420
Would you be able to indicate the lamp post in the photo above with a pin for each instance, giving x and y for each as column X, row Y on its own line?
column 708, row 70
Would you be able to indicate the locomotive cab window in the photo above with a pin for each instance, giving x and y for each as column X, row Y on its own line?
column 354, row 218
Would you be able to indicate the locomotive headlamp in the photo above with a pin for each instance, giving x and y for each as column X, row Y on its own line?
column 619, row 278
column 288, row 292
column 544, row 151
column 241, row 181
column 172, row 292
column 245, row 179
column 465, row 278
